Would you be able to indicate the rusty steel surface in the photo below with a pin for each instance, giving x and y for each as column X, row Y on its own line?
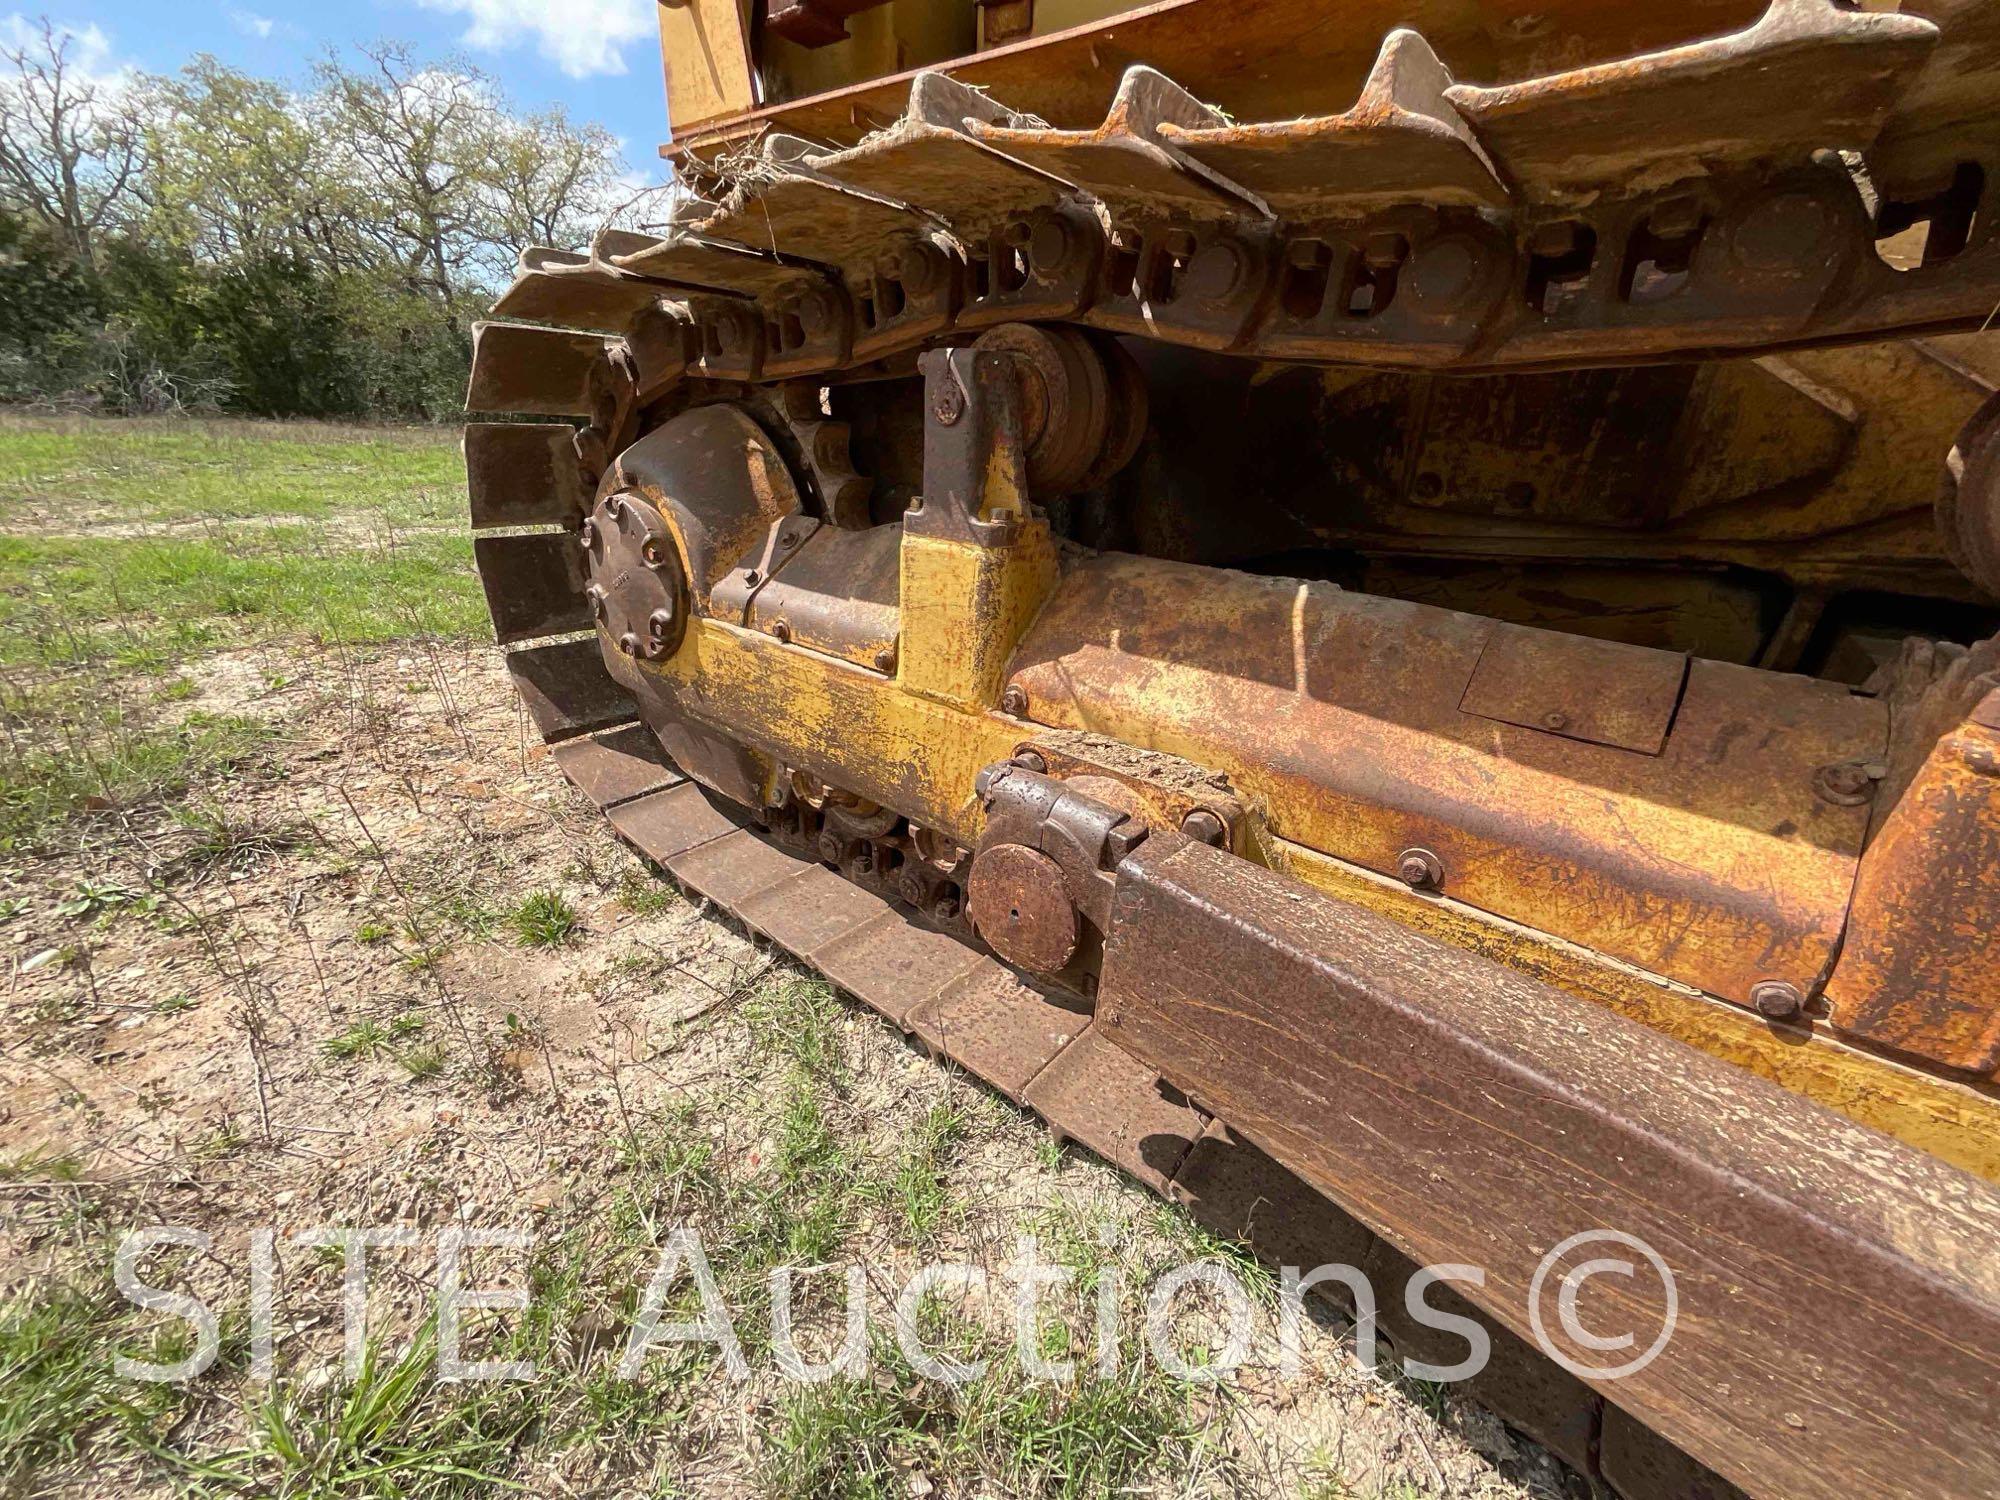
column 1483, row 231
column 1095, row 1093
column 1018, row 905
column 1603, row 693
column 1917, row 974
column 1968, row 503
column 1463, row 1111
column 523, row 474
column 1348, row 716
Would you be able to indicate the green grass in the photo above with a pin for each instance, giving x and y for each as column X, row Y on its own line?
column 422, row 1062
column 396, row 1430
column 918, row 1188
column 646, row 895
column 105, row 759
column 1092, row 1439
column 545, row 919
column 57, row 1342
column 308, row 535
column 153, row 603
column 362, row 1039
column 172, row 470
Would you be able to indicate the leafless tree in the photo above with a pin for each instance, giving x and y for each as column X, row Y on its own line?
column 71, row 145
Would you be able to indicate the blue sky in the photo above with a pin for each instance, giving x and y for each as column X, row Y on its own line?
column 599, row 58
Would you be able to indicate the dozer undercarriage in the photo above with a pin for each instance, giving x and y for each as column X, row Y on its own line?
column 1388, row 624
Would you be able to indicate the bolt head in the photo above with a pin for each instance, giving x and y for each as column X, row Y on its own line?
column 1420, row 869
column 660, row 621
column 1845, row 784
column 781, row 631
column 950, row 404
column 629, row 643
column 586, row 535
column 1556, row 721
column 911, row 889
column 1204, row 827
column 1777, row 999
column 599, row 604
column 829, row 848
column 885, row 659
column 945, row 908
column 1014, row 701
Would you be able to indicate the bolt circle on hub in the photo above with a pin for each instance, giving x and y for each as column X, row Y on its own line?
column 638, row 590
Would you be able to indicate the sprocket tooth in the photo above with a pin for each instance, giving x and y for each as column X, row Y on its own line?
column 693, row 260
column 1809, row 75
column 1126, row 161
column 784, row 206
column 843, row 491
column 578, row 297
column 1402, row 142
column 545, row 371
column 929, row 159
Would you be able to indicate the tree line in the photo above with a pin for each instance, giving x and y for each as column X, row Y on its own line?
column 216, row 240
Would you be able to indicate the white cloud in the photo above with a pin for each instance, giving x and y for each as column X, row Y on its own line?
column 263, row 28
column 582, row 37
column 89, row 47
column 87, row 56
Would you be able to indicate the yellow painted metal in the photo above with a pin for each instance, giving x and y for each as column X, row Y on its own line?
column 706, row 48
column 888, row 39
column 867, row 733
column 965, row 609
column 1956, row 1123
column 856, row 729
column 1346, row 718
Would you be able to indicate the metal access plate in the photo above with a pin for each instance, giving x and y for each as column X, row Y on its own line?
column 1601, row 692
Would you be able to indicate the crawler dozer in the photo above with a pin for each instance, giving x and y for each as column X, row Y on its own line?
column 1383, row 612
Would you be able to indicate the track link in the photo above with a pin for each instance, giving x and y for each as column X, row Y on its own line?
column 1727, row 195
